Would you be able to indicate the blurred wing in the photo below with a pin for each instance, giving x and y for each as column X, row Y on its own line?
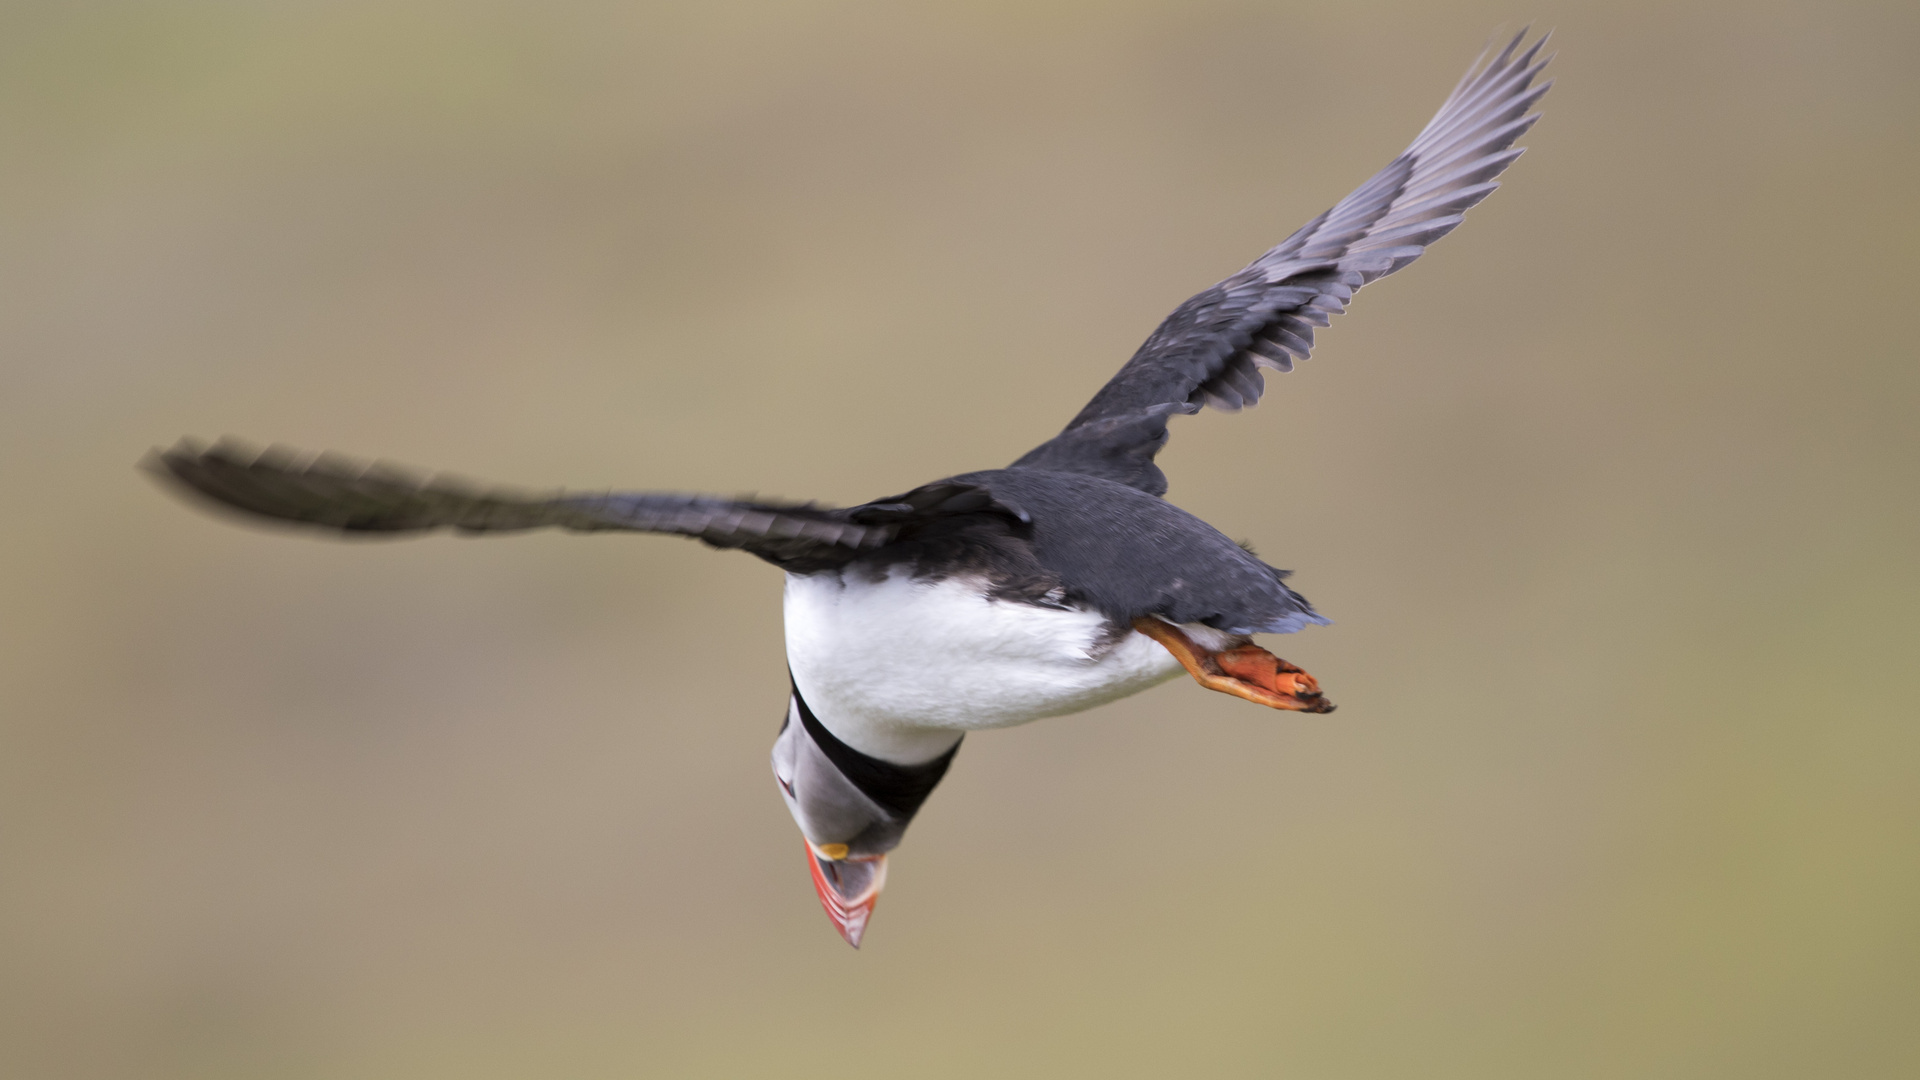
column 332, row 492
column 1211, row 349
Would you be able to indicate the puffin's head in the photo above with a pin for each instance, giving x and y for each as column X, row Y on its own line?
column 851, row 808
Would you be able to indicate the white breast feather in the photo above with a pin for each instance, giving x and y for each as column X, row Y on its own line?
column 897, row 668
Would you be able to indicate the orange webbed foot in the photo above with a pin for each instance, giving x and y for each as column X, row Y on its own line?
column 1249, row 671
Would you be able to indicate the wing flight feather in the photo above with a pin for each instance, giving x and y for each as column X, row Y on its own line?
column 1212, row 349
column 338, row 493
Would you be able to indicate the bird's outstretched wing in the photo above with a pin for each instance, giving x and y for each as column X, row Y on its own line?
column 1211, row 349
column 337, row 493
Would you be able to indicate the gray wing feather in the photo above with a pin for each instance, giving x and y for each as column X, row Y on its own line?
column 1209, row 352
column 333, row 492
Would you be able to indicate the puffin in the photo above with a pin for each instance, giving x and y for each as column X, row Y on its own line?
column 1056, row 584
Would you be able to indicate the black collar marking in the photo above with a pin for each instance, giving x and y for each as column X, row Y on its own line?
column 899, row 789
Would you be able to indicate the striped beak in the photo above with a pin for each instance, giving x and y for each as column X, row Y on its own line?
column 852, row 809
column 848, row 888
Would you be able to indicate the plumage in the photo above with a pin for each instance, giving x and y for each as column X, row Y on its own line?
column 858, row 647
column 998, row 597
column 1205, row 352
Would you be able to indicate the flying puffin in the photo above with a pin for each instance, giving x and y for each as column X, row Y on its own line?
column 1061, row 582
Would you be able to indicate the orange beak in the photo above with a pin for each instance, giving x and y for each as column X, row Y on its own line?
column 848, row 888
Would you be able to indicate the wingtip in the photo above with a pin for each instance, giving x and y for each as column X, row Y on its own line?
column 169, row 462
column 1526, row 58
column 185, row 444
column 1506, row 58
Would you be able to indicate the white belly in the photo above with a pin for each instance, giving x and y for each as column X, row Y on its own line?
column 897, row 669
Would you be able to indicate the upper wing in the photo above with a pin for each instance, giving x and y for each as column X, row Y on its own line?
column 1211, row 349
column 336, row 493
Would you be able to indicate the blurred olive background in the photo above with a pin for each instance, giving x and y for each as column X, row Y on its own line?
column 1615, row 498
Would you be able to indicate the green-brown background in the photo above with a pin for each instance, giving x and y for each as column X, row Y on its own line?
column 1615, row 497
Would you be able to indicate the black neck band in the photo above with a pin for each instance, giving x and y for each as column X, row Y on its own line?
column 899, row 789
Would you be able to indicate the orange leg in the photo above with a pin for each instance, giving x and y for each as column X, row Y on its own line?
column 1249, row 671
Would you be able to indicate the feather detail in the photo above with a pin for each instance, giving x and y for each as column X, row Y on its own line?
column 1209, row 351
